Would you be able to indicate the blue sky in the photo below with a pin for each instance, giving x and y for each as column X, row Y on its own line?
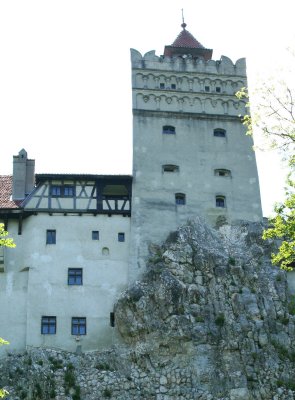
column 65, row 79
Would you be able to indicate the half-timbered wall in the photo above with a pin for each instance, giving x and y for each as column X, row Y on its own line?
column 82, row 195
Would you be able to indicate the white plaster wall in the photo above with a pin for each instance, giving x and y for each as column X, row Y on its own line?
column 43, row 289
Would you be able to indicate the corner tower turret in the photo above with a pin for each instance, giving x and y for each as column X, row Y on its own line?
column 190, row 152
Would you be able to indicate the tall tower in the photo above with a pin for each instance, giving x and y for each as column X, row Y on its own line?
column 190, row 153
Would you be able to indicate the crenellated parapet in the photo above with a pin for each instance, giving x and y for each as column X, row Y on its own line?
column 185, row 84
column 187, row 63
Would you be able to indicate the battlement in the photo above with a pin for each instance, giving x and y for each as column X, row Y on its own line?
column 187, row 63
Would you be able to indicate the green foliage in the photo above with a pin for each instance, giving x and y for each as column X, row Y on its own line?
column 38, row 391
column 283, row 351
column 70, row 382
column 232, row 261
column 107, row 393
column 77, row 394
column 69, row 378
column 4, row 240
column 288, row 384
column 2, row 341
column 282, row 227
column 3, row 392
column 291, row 305
column 220, row 320
column 103, row 366
column 56, row 363
column 274, row 116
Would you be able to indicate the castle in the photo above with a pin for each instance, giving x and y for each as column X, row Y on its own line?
column 82, row 238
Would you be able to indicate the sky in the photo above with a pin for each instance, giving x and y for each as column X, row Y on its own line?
column 65, row 73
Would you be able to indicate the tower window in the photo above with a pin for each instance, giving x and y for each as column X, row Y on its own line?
column 168, row 129
column 219, row 132
column 170, row 168
column 48, row 325
column 218, row 89
column 220, row 201
column 173, row 86
column 112, row 319
column 75, row 276
column 179, row 198
column 222, row 172
column 207, row 88
column 121, row 237
column 162, row 85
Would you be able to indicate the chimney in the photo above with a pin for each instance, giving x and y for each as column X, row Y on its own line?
column 23, row 175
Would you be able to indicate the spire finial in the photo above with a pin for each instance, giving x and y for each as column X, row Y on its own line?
column 183, row 25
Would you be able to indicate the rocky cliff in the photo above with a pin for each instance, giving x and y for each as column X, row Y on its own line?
column 210, row 319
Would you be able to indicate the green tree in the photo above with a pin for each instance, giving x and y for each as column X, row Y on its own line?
column 282, row 226
column 4, row 242
column 274, row 117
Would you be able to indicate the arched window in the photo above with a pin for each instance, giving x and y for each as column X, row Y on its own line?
column 170, row 168
column 105, row 251
column 218, row 132
column 220, row 201
column 222, row 172
column 168, row 129
column 179, row 198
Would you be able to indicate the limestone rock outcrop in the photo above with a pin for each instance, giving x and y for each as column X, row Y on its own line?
column 212, row 302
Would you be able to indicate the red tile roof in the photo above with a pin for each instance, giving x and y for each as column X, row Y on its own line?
column 186, row 39
column 6, row 192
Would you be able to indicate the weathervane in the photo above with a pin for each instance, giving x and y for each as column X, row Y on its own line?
column 183, row 25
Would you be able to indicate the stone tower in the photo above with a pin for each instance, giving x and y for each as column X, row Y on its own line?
column 190, row 153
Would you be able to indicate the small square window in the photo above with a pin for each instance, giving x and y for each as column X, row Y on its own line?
column 121, row 237
column 75, row 276
column 95, row 235
column 51, row 236
column 78, row 326
column 162, row 85
column 207, row 88
column 180, row 198
column 48, row 325
column 173, row 86
column 218, row 89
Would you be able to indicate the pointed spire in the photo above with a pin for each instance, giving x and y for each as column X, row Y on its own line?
column 186, row 43
column 183, row 25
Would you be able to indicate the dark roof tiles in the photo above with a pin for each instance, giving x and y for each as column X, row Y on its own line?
column 6, row 192
column 186, row 39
